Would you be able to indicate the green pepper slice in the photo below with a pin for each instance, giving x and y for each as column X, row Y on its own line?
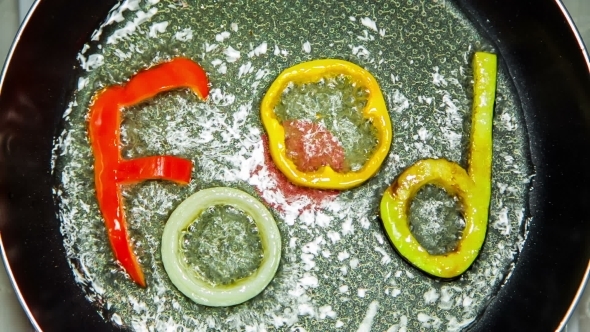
column 472, row 187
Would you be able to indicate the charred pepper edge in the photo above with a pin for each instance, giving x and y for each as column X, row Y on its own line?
column 375, row 111
column 472, row 187
column 112, row 171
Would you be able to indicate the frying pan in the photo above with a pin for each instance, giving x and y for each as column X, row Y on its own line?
column 541, row 53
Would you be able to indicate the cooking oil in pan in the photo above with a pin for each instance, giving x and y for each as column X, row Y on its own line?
column 338, row 270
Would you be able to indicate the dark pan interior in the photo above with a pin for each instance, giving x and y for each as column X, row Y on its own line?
column 552, row 80
column 537, row 47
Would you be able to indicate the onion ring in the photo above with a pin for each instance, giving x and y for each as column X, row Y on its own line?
column 188, row 281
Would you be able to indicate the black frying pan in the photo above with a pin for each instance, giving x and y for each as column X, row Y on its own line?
column 536, row 43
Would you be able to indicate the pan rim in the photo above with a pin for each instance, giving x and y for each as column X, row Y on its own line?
column 3, row 256
column 16, row 289
column 574, row 29
column 575, row 301
column 585, row 279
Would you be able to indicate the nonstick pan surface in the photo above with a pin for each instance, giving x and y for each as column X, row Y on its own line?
column 538, row 49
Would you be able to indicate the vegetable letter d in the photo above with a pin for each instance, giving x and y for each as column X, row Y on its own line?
column 472, row 187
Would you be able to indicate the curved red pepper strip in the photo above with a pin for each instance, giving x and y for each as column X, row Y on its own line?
column 111, row 170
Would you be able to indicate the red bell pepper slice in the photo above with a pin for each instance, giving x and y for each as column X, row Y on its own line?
column 111, row 170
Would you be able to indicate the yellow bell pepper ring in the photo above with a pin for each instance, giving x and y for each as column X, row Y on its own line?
column 375, row 111
column 472, row 187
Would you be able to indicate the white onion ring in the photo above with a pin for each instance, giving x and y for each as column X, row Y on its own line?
column 187, row 281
